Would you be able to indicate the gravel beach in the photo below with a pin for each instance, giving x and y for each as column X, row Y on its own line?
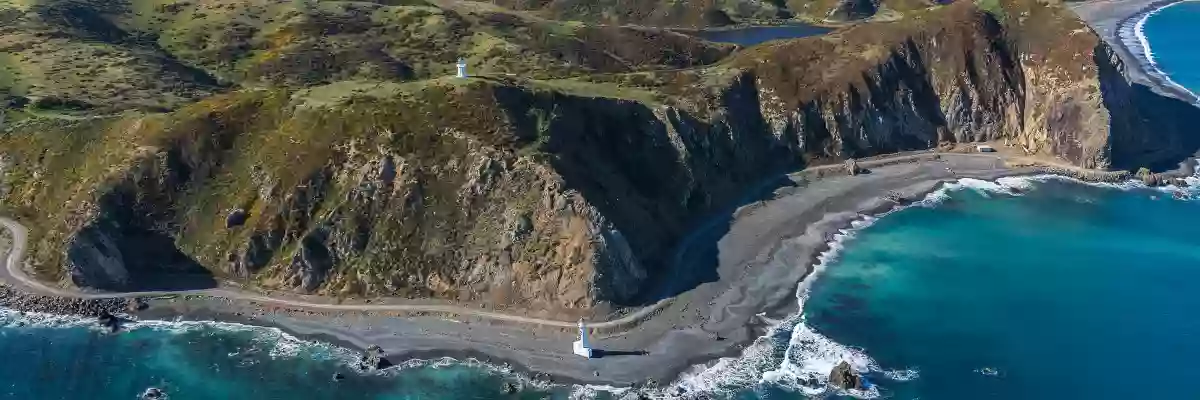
column 748, row 262
column 733, row 276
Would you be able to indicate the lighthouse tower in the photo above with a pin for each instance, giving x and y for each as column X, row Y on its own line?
column 462, row 68
column 582, row 348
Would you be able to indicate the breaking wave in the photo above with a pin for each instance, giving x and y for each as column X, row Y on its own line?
column 793, row 356
column 277, row 344
column 1148, row 60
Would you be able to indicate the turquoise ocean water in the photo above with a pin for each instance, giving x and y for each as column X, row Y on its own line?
column 50, row 357
column 1064, row 291
column 1030, row 288
column 1173, row 34
column 1024, row 288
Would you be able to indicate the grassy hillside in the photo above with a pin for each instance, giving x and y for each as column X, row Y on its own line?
column 320, row 146
column 156, row 54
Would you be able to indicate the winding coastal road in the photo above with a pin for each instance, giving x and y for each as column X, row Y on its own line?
column 14, row 274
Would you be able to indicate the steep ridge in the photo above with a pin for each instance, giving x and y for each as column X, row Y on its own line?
column 565, row 196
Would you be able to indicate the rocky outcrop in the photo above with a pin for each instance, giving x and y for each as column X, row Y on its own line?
column 1044, row 84
column 373, row 359
column 153, row 394
column 20, row 301
column 109, row 321
column 843, row 377
column 94, row 261
column 558, row 197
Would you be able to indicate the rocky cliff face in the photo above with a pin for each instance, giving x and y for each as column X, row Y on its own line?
column 957, row 74
column 549, row 195
column 509, row 196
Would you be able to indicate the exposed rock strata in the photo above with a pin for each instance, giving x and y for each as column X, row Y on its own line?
column 511, row 192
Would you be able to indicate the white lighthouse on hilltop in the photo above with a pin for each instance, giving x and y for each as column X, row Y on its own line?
column 582, row 348
column 462, row 68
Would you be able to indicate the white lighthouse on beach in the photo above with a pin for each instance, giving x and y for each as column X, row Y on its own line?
column 462, row 68
column 582, row 348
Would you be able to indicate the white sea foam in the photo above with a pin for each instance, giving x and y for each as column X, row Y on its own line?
column 988, row 371
column 803, row 366
column 902, row 375
column 809, row 356
column 1011, row 186
column 13, row 319
column 1148, row 53
column 274, row 342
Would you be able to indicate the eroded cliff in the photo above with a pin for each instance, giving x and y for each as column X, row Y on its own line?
column 555, row 195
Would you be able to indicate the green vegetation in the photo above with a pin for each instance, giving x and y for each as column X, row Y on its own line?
column 10, row 77
column 160, row 54
column 337, row 128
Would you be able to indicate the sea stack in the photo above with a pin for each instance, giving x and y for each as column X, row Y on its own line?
column 372, row 359
column 844, row 377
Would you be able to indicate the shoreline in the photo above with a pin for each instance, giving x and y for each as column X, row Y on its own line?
column 1135, row 24
column 1119, row 23
column 757, row 253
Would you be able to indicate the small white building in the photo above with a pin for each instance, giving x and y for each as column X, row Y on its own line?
column 581, row 347
column 462, row 68
column 983, row 148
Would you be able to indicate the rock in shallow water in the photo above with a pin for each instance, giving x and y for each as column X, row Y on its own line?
column 844, row 377
column 112, row 322
column 373, row 359
column 153, row 394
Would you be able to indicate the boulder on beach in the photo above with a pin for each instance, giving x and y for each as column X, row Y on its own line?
column 136, row 304
column 852, row 167
column 1153, row 180
column 894, row 196
column 844, row 377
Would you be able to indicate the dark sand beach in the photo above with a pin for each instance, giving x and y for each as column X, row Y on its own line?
column 759, row 253
column 749, row 261
column 1116, row 22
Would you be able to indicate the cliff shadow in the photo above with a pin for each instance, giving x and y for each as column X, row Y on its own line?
column 108, row 255
column 657, row 175
column 156, row 264
column 696, row 260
